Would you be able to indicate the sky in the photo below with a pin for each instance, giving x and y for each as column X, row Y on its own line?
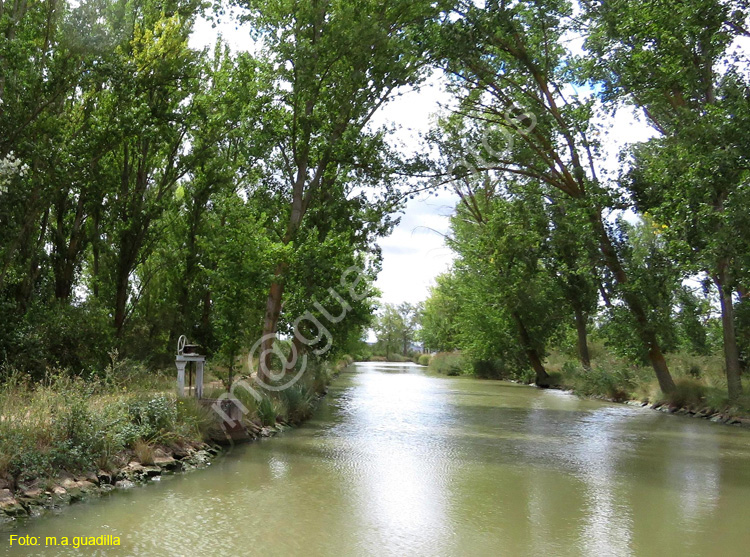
column 415, row 253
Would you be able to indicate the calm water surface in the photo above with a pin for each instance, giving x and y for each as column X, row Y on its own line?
column 397, row 462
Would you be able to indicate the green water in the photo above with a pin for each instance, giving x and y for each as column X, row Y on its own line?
column 397, row 462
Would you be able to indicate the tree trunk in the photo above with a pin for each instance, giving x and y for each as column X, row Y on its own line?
column 121, row 300
column 583, row 347
column 731, row 351
column 542, row 378
column 633, row 301
column 270, row 322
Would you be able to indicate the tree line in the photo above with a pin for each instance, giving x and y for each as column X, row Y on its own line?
column 550, row 242
column 150, row 189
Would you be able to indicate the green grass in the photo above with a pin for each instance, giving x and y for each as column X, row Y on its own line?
column 66, row 423
column 298, row 402
column 700, row 380
column 448, row 363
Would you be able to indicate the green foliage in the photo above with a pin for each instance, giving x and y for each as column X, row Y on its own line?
column 298, row 402
column 396, row 328
column 268, row 409
column 448, row 363
column 70, row 424
column 614, row 382
column 424, row 359
column 690, row 393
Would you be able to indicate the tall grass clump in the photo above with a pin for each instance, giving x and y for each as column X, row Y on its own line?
column 268, row 410
column 299, row 402
column 448, row 363
column 615, row 382
column 688, row 393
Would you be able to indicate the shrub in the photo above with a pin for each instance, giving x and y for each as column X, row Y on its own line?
column 449, row 363
column 298, row 402
column 268, row 410
column 153, row 414
column 424, row 360
column 615, row 383
column 321, row 375
column 347, row 359
column 144, row 452
column 194, row 421
column 688, row 393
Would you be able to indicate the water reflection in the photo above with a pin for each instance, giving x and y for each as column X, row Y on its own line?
column 398, row 462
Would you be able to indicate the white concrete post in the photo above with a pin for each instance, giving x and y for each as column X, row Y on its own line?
column 180, row 377
column 199, row 379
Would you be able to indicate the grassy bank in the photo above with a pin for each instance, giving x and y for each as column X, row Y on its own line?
column 701, row 381
column 66, row 434
column 68, row 423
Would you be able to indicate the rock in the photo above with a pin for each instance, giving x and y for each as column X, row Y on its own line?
column 136, row 467
column 124, row 484
column 10, row 506
column 182, row 452
column 104, row 477
column 166, row 463
column 132, row 472
column 90, row 477
column 59, row 490
column 31, row 492
column 86, row 486
column 151, row 471
column 717, row 418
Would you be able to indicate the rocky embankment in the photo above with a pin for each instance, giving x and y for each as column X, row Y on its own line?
column 705, row 413
column 32, row 498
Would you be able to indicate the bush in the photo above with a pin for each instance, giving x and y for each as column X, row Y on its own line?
column 347, row 359
column 268, row 410
column 615, row 383
column 688, row 393
column 424, row 360
column 66, row 423
column 144, row 452
column 449, row 363
column 154, row 415
column 298, row 402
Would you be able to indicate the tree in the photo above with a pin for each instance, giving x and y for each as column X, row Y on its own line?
column 679, row 67
column 510, row 66
column 241, row 252
column 390, row 329
column 335, row 64
column 439, row 319
column 501, row 244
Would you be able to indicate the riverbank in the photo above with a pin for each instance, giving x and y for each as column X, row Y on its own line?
column 700, row 382
column 68, row 439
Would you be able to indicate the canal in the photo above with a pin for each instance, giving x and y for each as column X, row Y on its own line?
column 399, row 462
